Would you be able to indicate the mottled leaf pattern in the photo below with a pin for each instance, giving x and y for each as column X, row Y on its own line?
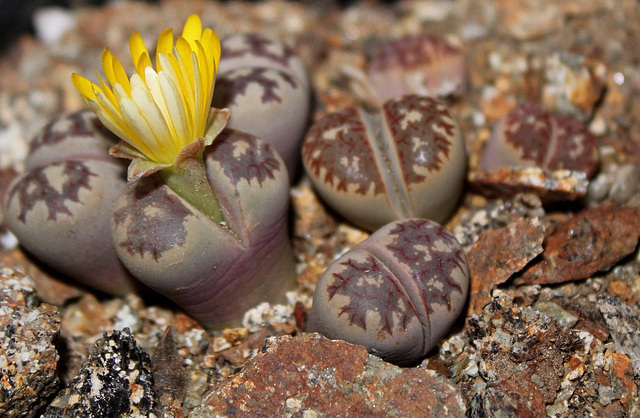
column 338, row 145
column 425, row 249
column 81, row 123
column 236, row 83
column 155, row 219
column 259, row 46
column 243, row 157
column 36, row 188
column 421, row 128
column 433, row 255
column 527, row 128
column 372, row 287
column 547, row 140
column 421, row 133
column 411, row 52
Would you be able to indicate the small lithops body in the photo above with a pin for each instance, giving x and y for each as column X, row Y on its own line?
column 529, row 135
column 397, row 293
column 419, row 64
column 60, row 207
column 404, row 160
column 215, row 272
column 264, row 84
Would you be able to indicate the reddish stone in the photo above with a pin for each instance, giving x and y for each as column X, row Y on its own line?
column 498, row 254
column 550, row 186
column 591, row 241
column 51, row 288
column 311, row 374
column 622, row 377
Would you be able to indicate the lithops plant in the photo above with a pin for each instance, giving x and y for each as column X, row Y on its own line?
column 406, row 159
column 418, row 64
column 397, row 293
column 529, row 135
column 265, row 85
column 60, row 207
column 202, row 222
column 214, row 271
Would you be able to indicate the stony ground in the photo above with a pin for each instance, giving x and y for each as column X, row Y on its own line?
column 552, row 322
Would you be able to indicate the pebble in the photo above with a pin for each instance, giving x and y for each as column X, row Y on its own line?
column 500, row 253
column 624, row 322
column 320, row 377
column 51, row 23
column 116, row 380
column 28, row 356
column 591, row 241
column 550, row 186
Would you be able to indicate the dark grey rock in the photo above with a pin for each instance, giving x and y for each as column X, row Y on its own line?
column 115, row 381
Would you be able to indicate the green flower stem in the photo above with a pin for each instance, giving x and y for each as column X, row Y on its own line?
column 188, row 178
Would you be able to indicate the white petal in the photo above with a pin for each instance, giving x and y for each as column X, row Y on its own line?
column 156, row 93
column 176, row 109
column 144, row 134
column 149, row 110
column 201, row 107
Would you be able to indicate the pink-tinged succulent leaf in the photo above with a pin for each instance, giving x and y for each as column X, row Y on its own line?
column 270, row 82
column 247, row 159
column 372, row 287
column 255, row 50
column 404, row 160
column 424, row 133
column 528, row 130
column 413, row 245
column 338, row 153
column 576, row 148
column 529, row 135
column 397, row 293
column 81, row 124
column 78, row 136
column 265, row 85
column 421, row 64
column 60, row 213
column 35, row 187
column 214, row 272
column 151, row 207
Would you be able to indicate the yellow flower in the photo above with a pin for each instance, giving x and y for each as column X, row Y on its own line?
column 158, row 112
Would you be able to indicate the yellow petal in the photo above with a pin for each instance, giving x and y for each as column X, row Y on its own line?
column 84, row 86
column 176, row 72
column 192, row 28
column 184, row 51
column 144, row 137
column 149, row 110
column 107, row 90
column 138, row 51
column 165, row 45
column 211, row 44
column 114, row 70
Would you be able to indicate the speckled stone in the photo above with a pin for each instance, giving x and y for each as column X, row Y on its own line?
column 310, row 375
column 28, row 357
column 115, row 381
column 624, row 325
column 550, row 186
column 495, row 215
column 520, row 358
